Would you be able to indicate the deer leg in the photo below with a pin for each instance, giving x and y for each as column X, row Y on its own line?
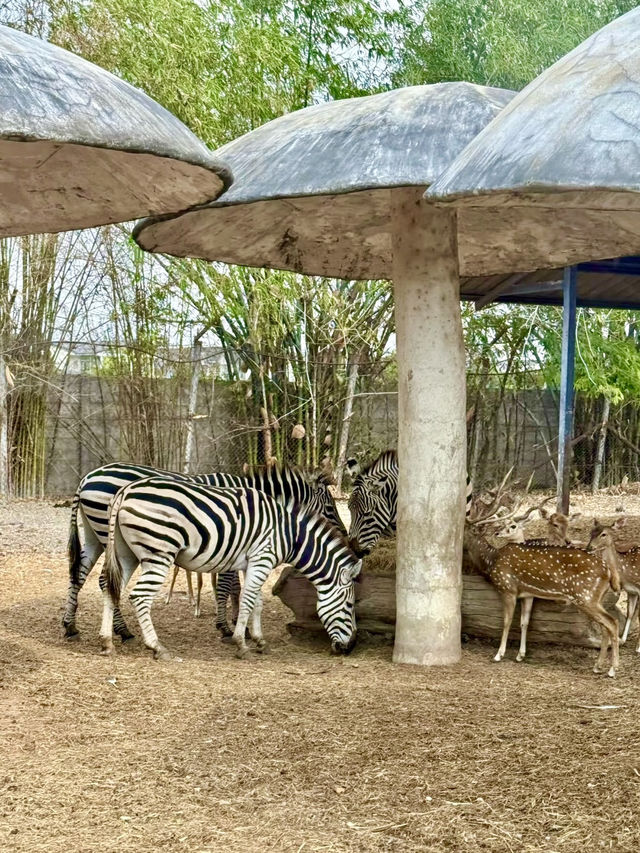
column 176, row 569
column 609, row 628
column 525, row 614
column 508, row 606
column 632, row 604
column 192, row 600
column 198, row 593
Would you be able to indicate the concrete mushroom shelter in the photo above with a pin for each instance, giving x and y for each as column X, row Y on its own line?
column 79, row 147
column 336, row 190
column 561, row 163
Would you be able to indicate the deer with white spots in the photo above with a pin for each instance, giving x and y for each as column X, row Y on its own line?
column 625, row 563
column 557, row 529
column 557, row 574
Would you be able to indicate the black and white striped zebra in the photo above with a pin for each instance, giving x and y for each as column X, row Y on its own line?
column 157, row 522
column 373, row 503
column 98, row 488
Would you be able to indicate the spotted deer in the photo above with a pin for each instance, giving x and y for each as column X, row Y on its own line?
column 557, row 574
column 625, row 563
column 557, row 530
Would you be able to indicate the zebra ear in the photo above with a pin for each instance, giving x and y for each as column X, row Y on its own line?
column 353, row 467
column 350, row 573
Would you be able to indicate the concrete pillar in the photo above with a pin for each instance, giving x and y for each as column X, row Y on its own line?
column 432, row 431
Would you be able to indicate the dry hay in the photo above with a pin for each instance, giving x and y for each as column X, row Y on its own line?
column 296, row 751
column 382, row 559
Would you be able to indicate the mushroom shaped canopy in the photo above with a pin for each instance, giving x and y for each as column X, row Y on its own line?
column 557, row 173
column 79, row 147
column 312, row 188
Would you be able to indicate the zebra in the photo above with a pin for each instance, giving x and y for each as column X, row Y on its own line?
column 98, row 488
column 157, row 522
column 373, row 503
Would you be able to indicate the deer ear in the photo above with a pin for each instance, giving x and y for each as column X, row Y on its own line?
column 620, row 522
column 544, row 513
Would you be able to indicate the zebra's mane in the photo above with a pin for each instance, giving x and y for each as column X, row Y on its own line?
column 386, row 459
column 292, row 471
column 323, row 524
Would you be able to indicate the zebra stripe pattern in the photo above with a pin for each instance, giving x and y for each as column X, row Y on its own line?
column 157, row 522
column 373, row 503
column 98, row 488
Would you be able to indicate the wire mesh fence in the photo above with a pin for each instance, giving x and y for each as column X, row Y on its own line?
column 91, row 417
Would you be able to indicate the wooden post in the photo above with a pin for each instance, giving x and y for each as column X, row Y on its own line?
column 431, row 431
column 196, row 358
column 4, row 446
column 346, row 422
column 566, row 388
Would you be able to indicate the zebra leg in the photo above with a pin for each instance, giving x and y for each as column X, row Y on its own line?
column 224, row 586
column 235, row 597
column 119, row 625
column 128, row 563
column 256, row 624
column 255, row 575
column 176, row 569
column 89, row 557
column 153, row 574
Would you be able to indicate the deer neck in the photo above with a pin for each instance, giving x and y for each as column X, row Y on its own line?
column 482, row 555
column 614, row 564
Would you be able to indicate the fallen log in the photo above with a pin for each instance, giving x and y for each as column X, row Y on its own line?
column 551, row 622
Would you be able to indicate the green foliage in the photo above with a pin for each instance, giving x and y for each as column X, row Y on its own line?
column 495, row 42
column 226, row 67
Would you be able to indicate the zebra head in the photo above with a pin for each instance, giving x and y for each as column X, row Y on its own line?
column 322, row 501
column 336, row 605
column 374, row 503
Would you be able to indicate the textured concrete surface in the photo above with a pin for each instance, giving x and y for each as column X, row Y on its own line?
column 312, row 188
column 556, row 176
column 80, row 147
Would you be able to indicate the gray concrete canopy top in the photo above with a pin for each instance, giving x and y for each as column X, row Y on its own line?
column 557, row 173
column 79, row 147
column 311, row 190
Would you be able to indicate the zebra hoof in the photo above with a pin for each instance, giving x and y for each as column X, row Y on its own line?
column 107, row 648
column 162, row 654
column 611, row 673
column 241, row 653
column 125, row 635
column 262, row 648
column 71, row 632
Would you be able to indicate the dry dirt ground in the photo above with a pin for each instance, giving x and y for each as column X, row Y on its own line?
column 293, row 751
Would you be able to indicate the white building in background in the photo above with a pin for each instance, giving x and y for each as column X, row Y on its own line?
column 88, row 358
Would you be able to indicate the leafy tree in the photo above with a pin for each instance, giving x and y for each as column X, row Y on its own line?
column 495, row 42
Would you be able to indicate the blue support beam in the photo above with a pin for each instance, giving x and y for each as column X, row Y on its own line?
column 566, row 388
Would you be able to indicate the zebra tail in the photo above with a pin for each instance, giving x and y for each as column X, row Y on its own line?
column 73, row 546
column 113, row 567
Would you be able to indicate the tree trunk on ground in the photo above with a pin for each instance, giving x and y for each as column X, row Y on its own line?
column 346, row 422
column 602, row 440
column 432, row 434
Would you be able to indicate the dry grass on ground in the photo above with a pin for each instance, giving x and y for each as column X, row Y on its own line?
column 295, row 751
